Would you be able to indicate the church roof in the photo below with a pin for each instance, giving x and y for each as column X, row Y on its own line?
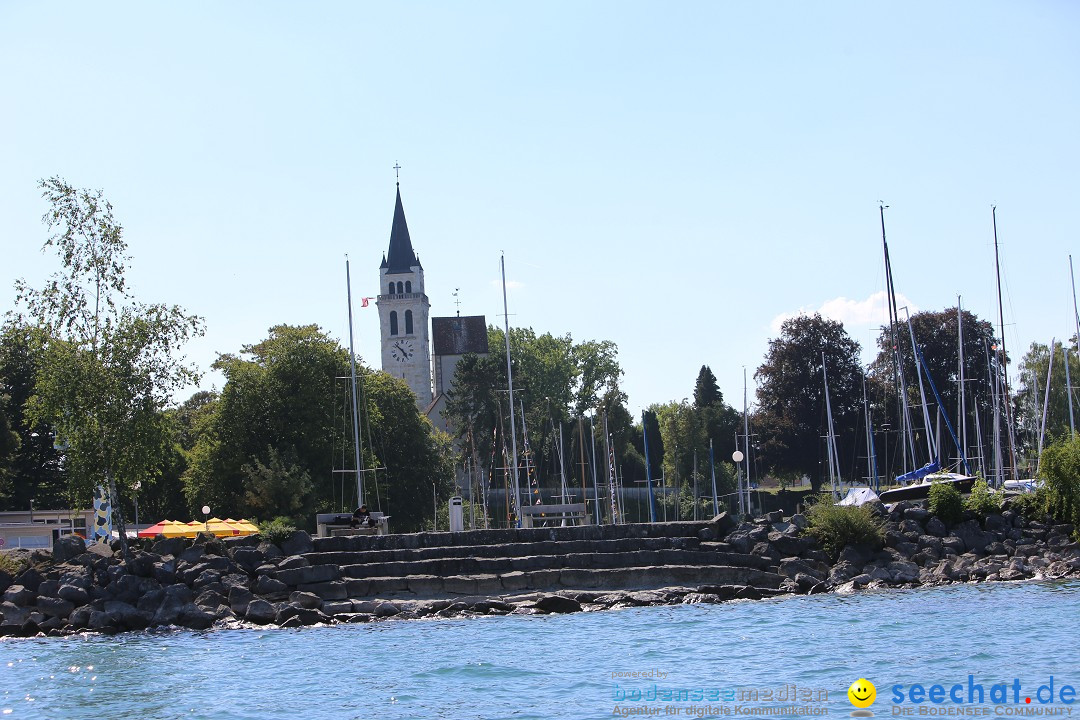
column 400, row 258
column 459, row 335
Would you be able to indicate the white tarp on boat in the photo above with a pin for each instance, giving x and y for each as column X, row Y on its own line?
column 859, row 496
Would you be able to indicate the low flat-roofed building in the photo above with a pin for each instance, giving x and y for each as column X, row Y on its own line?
column 39, row 528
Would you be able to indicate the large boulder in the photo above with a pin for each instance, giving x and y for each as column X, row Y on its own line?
column 260, row 611
column 297, row 544
column 68, row 546
column 267, row 585
column 168, row 546
column 13, row 615
column 792, row 567
column 902, row 571
column 788, row 545
column 975, row 538
column 724, row 523
column 557, row 604
column 239, row 599
column 19, row 595
column 54, row 607
column 308, row 574
column 997, row 524
column 74, row 594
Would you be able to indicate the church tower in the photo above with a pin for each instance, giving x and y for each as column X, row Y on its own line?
column 403, row 312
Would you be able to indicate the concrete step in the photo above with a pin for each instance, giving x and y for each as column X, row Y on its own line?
column 511, row 535
column 510, row 550
column 587, row 560
column 628, row 578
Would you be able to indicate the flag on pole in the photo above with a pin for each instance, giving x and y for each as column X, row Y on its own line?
column 364, row 302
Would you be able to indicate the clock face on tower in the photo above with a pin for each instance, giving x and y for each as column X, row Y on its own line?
column 402, row 350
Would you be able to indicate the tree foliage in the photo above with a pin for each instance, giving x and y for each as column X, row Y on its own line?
column 937, row 333
column 555, row 382
column 269, row 445
column 791, row 396
column 30, row 465
column 1031, row 395
column 110, row 363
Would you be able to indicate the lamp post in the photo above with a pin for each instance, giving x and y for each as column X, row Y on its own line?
column 737, row 457
column 206, row 517
column 135, row 487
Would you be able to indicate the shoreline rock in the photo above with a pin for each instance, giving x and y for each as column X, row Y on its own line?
column 209, row 583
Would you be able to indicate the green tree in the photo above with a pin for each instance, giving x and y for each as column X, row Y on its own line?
column 266, row 447
column 706, row 390
column 937, row 334
column 791, row 396
column 417, row 458
column 30, row 465
column 1031, row 396
column 280, row 395
column 555, row 381
column 109, row 365
column 278, row 487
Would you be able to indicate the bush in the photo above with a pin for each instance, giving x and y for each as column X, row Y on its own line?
column 11, row 564
column 1030, row 506
column 836, row 526
column 982, row 500
column 946, row 502
column 1060, row 467
column 277, row 530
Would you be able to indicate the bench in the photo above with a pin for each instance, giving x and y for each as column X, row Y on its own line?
column 564, row 514
column 335, row 524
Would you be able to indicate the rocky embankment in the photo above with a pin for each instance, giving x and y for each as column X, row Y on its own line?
column 213, row 583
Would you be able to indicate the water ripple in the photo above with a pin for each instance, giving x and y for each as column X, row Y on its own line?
column 557, row 666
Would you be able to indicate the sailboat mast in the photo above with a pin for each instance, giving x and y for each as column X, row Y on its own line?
column 1004, row 368
column 712, row 470
column 871, row 456
column 1076, row 318
column 1046, row 403
column 898, row 367
column 1068, row 386
column 830, row 438
column 746, row 439
column 355, row 406
column 510, row 387
column 962, row 420
column 648, row 470
column 931, row 444
column 595, row 481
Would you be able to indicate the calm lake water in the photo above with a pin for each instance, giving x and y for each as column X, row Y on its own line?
column 572, row 666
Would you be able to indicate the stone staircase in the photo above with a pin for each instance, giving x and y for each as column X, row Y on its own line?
column 509, row 561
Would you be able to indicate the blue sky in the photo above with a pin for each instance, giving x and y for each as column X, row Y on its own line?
column 674, row 177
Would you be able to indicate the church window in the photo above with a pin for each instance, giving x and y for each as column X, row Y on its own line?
column 408, row 322
column 408, row 286
column 400, row 289
column 393, row 322
column 391, row 290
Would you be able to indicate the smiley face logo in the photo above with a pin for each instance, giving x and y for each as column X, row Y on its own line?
column 862, row 693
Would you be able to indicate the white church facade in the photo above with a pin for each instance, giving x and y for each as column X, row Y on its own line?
column 406, row 328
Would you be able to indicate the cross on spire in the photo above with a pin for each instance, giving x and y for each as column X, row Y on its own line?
column 397, row 172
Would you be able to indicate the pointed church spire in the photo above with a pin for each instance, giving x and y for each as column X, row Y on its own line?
column 400, row 257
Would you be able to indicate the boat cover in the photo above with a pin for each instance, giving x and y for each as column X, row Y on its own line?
column 859, row 496
column 919, row 474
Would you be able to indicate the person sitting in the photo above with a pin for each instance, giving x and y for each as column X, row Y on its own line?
column 362, row 518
